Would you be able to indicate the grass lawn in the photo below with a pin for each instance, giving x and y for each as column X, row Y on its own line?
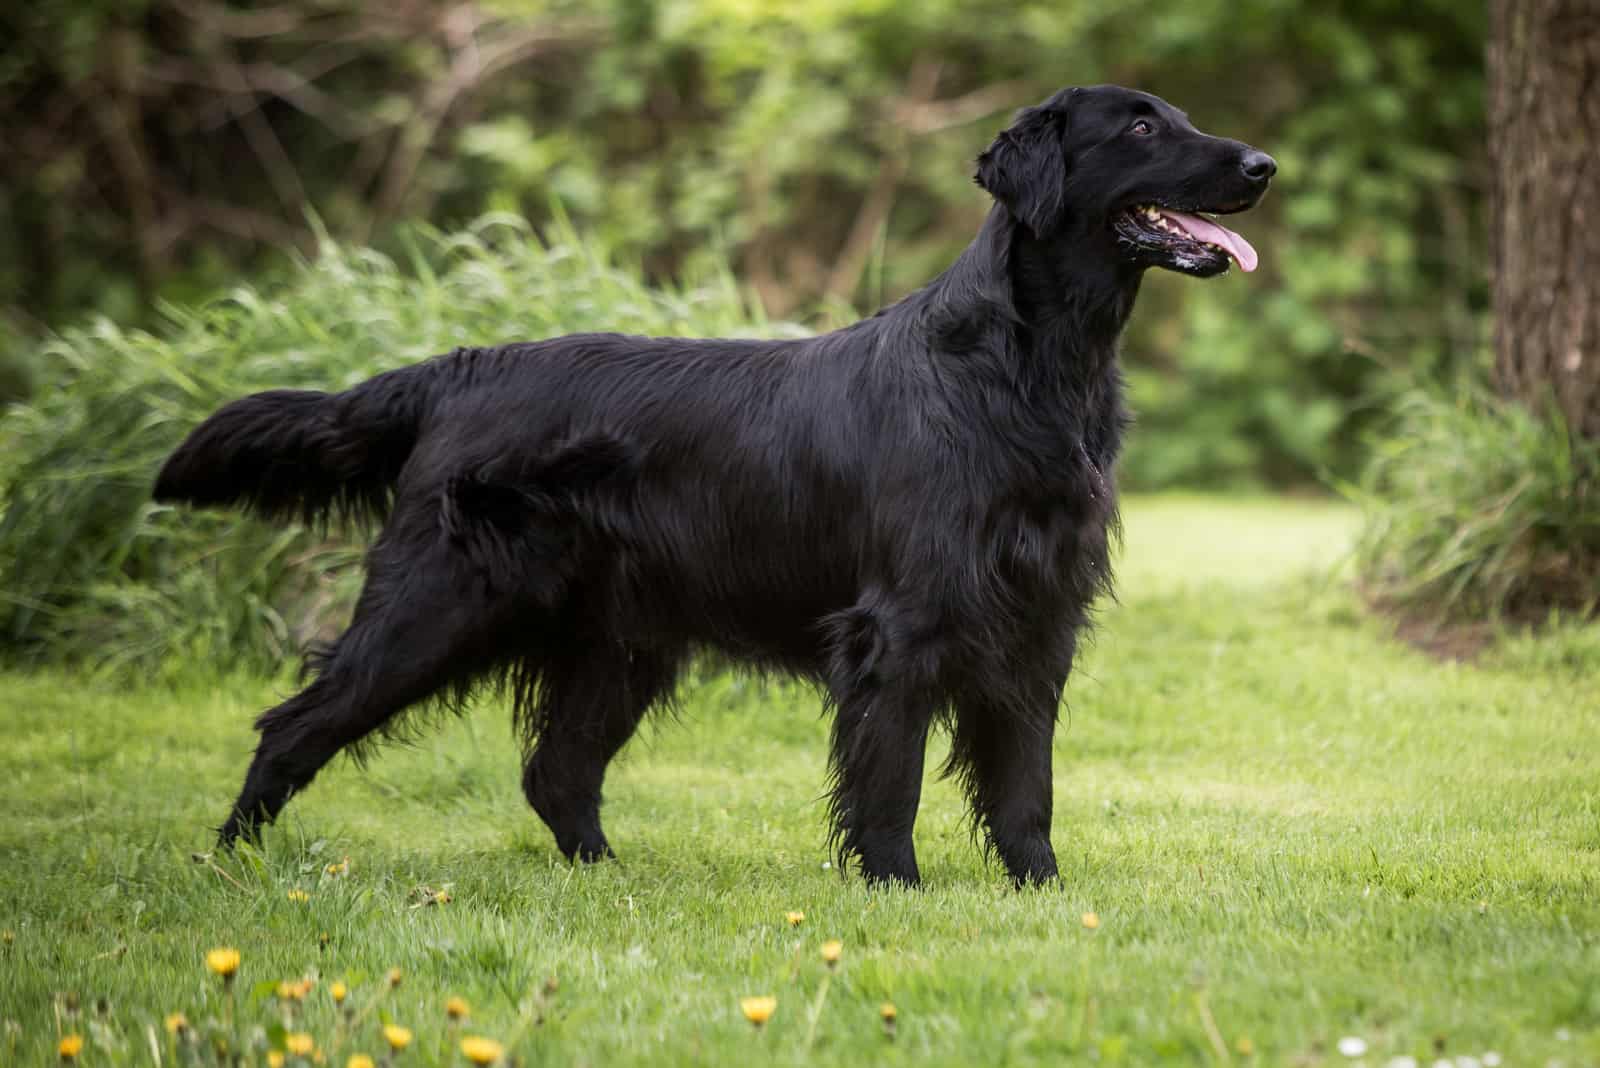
column 1292, row 831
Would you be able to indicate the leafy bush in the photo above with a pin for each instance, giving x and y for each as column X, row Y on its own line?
column 770, row 126
column 829, row 145
column 16, row 370
column 1477, row 508
column 90, row 569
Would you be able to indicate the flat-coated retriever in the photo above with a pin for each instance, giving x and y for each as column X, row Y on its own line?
column 912, row 511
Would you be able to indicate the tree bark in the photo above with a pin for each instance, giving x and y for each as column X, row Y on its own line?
column 1544, row 145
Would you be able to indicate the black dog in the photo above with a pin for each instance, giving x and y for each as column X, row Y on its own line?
column 912, row 511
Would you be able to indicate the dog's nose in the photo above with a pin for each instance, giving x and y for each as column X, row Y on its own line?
column 1258, row 166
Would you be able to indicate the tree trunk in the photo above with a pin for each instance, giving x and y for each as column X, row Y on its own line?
column 1544, row 144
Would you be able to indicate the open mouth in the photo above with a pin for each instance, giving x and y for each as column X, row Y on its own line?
column 1186, row 238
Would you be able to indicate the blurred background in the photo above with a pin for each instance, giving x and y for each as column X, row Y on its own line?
column 821, row 151
column 199, row 197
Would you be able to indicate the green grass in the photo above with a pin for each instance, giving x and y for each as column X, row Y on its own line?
column 1292, row 831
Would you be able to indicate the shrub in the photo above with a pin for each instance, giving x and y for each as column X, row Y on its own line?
column 1477, row 508
column 830, row 144
column 16, row 379
column 91, row 569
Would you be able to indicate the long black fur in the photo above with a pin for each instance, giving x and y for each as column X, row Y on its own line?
column 912, row 511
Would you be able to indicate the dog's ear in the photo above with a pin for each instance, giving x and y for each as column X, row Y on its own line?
column 1026, row 168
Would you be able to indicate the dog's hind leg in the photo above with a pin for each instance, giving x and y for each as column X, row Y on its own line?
column 423, row 623
column 592, row 695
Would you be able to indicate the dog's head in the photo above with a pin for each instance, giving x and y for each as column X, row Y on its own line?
column 1127, row 166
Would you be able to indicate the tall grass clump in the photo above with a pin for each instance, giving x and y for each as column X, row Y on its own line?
column 1477, row 508
column 92, row 571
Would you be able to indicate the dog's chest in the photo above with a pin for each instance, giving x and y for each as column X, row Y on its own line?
column 1048, row 541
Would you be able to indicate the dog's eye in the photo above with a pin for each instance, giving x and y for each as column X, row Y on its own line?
column 1142, row 128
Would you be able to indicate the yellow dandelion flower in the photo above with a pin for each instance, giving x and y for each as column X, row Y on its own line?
column 299, row 895
column 481, row 1050
column 393, row 976
column 177, row 1023
column 290, row 990
column 338, row 991
column 795, row 918
column 1245, row 1047
column 887, row 1012
column 224, row 961
column 69, row 1047
column 8, row 936
column 274, row 1058
column 398, row 1037
column 359, row 1060
column 299, row 1043
column 831, row 950
column 1090, row 920
column 457, row 1008
column 341, row 868
column 758, row 1010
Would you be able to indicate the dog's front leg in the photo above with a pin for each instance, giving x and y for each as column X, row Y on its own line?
column 883, row 695
column 879, row 738
column 1001, row 751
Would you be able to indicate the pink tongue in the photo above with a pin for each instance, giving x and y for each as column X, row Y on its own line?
column 1205, row 230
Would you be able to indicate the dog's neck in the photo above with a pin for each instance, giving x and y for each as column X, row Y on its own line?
column 1050, row 309
column 1063, row 300
column 1032, row 325
column 1066, row 291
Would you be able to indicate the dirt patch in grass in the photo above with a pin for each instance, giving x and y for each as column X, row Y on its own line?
column 1450, row 641
column 1455, row 642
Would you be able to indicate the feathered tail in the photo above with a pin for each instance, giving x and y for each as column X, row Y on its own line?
column 302, row 454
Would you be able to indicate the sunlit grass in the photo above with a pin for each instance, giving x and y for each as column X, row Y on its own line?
column 1288, row 832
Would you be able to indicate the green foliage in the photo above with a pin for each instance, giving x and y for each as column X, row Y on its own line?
column 1478, row 508
column 828, row 145
column 16, row 368
column 767, row 123
column 1287, row 825
column 91, row 569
